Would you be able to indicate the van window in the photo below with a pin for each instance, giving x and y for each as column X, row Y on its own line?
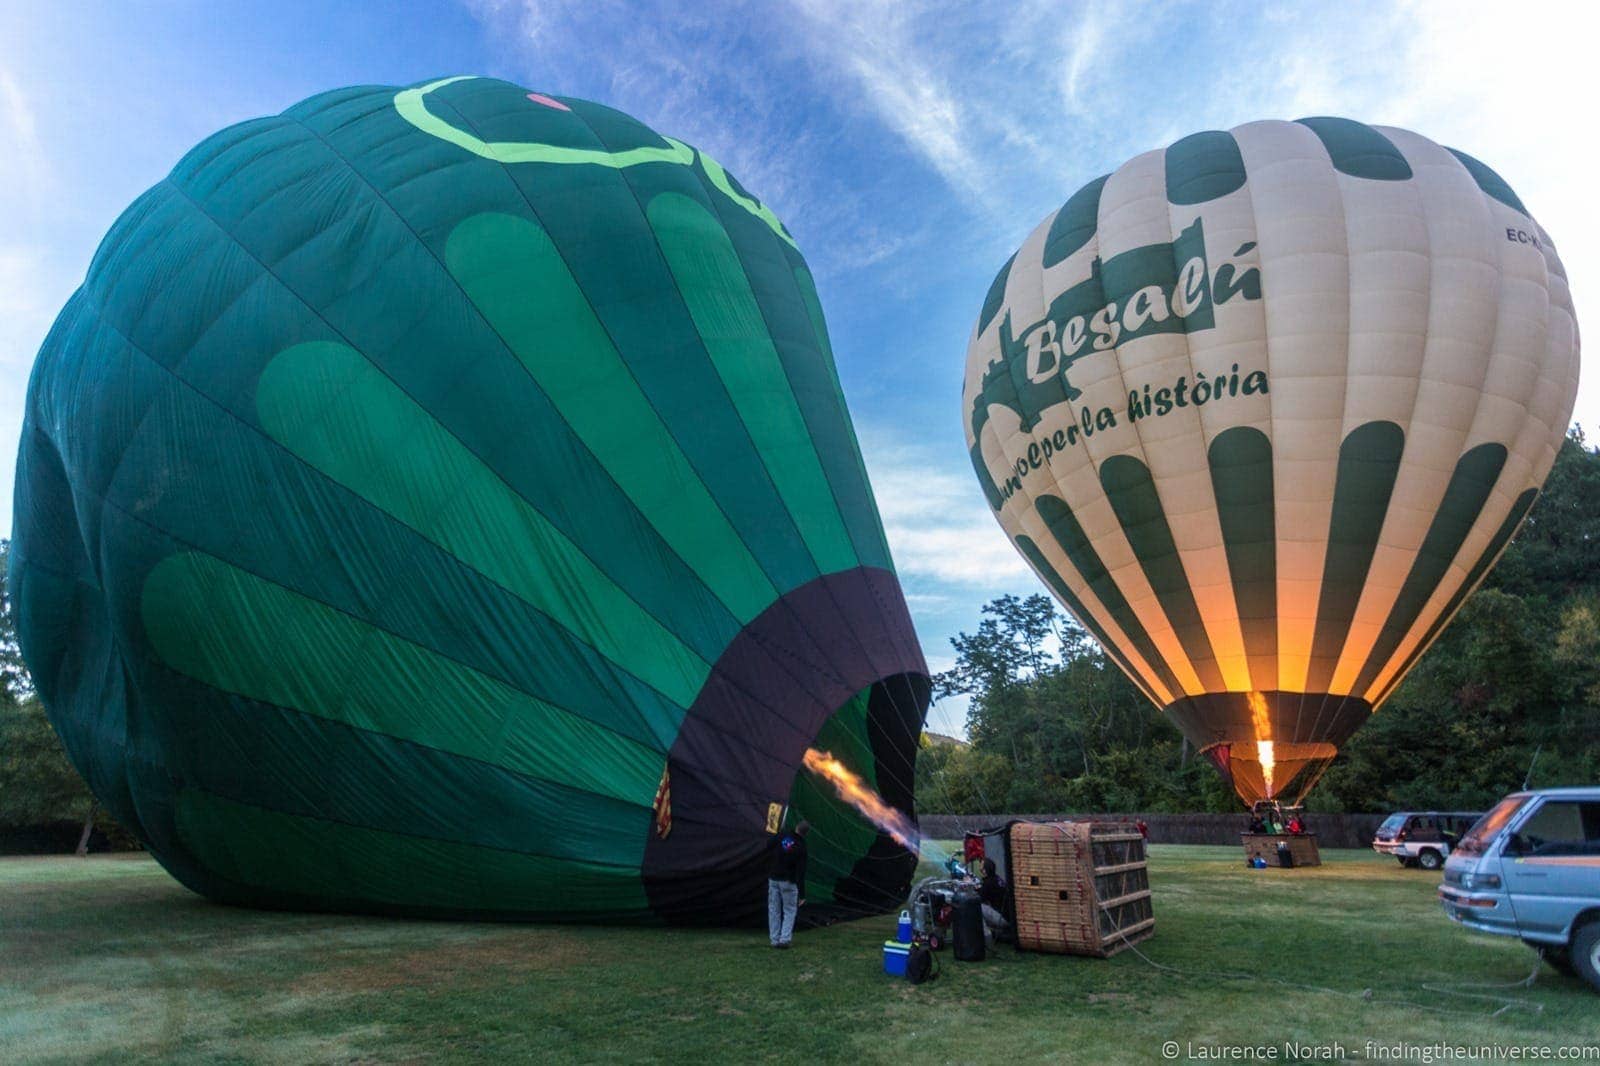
column 1560, row 827
column 1394, row 821
column 1489, row 825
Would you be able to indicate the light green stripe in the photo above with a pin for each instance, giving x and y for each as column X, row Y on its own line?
column 411, row 106
column 714, row 287
column 512, row 271
column 334, row 409
column 330, row 861
column 236, row 632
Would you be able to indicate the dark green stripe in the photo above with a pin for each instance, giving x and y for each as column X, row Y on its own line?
column 836, row 439
column 1464, row 498
column 1133, row 497
column 1369, row 461
column 610, row 250
column 1069, row 534
column 1202, row 167
column 1490, row 182
column 1075, row 223
column 1058, row 584
column 996, row 295
column 1359, row 150
column 991, row 491
column 216, row 740
column 329, row 861
column 786, row 296
column 1241, row 478
column 1502, row 536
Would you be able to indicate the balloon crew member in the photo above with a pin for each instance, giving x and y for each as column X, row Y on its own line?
column 992, row 896
column 786, row 884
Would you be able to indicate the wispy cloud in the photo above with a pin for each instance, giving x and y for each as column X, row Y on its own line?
column 939, row 527
column 24, row 166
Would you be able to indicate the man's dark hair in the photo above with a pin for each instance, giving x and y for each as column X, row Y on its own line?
column 802, row 829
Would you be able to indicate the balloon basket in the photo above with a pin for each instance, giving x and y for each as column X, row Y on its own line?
column 1302, row 848
column 1079, row 888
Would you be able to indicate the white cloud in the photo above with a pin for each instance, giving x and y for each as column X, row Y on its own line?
column 939, row 527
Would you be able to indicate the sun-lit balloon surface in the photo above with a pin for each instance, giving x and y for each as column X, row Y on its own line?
column 442, row 500
column 1262, row 408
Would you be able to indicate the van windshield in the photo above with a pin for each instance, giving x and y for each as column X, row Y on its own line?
column 1489, row 826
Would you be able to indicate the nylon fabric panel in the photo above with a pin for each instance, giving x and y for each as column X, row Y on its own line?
column 714, row 287
column 1497, row 544
column 1133, row 497
column 596, row 219
column 291, row 762
column 1369, row 461
column 237, row 633
column 1064, row 526
column 321, row 860
column 337, row 412
column 870, row 545
column 516, row 277
column 1241, row 475
column 779, row 284
column 1463, row 503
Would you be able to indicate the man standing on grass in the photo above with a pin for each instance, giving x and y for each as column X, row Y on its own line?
column 786, row 884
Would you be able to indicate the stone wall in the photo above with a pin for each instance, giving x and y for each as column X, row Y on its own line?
column 1333, row 830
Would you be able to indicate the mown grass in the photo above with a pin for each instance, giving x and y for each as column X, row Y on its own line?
column 109, row 959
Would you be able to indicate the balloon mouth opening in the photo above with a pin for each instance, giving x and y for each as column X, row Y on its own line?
column 854, row 785
column 1284, row 771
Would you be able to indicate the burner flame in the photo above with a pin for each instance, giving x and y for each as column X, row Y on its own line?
column 1263, row 724
column 859, row 795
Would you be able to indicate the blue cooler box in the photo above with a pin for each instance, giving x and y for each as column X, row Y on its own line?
column 894, row 957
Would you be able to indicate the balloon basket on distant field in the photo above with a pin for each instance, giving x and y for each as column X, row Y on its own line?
column 1265, row 846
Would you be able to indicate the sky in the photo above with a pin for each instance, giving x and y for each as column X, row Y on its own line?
column 909, row 146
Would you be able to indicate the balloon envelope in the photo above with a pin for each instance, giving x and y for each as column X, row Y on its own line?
column 442, row 500
column 1262, row 408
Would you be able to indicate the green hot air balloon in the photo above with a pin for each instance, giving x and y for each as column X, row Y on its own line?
column 1262, row 408
column 443, row 501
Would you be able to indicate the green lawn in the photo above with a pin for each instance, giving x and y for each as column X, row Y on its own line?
column 108, row 958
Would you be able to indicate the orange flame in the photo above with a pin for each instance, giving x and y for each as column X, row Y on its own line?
column 1263, row 724
column 855, row 792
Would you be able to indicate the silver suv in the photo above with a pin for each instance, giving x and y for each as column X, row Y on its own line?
column 1530, row 868
column 1422, row 838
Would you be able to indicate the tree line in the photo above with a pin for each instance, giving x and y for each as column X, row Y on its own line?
column 1513, row 684
column 1510, row 691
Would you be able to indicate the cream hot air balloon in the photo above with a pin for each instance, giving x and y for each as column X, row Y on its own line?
column 1262, row 409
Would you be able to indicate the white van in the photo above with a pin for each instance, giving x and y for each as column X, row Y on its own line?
column 1530, row 868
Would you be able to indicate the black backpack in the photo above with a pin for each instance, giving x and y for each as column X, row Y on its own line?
column 920, row 966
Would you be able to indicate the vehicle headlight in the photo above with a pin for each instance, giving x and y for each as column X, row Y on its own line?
column 1471, row 881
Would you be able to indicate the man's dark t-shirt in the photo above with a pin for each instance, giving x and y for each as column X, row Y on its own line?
column 789, row 860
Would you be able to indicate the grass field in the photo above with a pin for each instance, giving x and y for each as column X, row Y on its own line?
column 109, row 959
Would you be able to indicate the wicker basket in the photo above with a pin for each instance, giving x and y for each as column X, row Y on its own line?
column 1302, row 847
column 1080, row 888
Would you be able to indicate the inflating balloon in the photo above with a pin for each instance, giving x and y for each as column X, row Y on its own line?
column 443, row 501
column 1262, row 409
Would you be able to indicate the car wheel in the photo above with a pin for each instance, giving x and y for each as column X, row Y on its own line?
column 1401, row 859
column 1584, row 952
column 1408, row 862
column 1430, row 859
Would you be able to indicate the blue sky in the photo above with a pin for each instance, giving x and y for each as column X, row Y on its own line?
column 909, row 146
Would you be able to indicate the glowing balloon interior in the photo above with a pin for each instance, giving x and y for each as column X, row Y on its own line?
column 1263, row 408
